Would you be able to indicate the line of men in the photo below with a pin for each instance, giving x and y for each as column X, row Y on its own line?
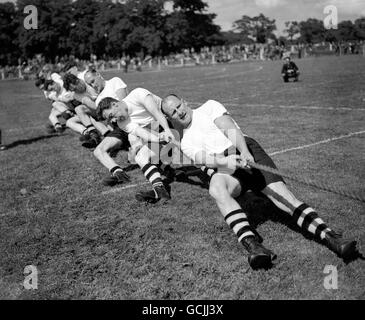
column 208, row 137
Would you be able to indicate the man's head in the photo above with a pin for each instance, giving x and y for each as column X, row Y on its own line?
column 73, row 83
column 50, row 85
column 70, row 67
column 95, row 80
column 112, row 110
column 39, row 83
column 287, row 59
column 177, row 110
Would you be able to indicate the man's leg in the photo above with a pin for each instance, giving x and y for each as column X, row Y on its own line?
column 151, row 172
column 146, row 159
column 90, row 136
column 102, row 154
column 223, row 188
column 57, row 110
column 74, row 124
column 307, row 219
column 101, row 127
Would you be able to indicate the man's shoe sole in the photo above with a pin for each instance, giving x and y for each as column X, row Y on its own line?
column 261, row 261
column 348, row 249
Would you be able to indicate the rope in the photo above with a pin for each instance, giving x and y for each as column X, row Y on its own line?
column 315, row 184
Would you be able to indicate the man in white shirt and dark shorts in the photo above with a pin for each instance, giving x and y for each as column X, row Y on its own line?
column 62, row 105
column 213, row 139
column 139, row 115
column 115, row 139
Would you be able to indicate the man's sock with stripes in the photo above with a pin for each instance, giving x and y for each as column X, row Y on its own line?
column 308, row 220
column 237, row 221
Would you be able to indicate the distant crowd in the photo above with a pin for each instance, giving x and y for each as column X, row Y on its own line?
column 29, row 68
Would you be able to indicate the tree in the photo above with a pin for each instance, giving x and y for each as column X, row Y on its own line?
column 312, row 31
column 188, row 26
column 147, row 20
column 292, row 29
column 83, row 15
column 51, row 37
column 8, row 26
column 259, row 28
column 359, row 26
column 110, row 30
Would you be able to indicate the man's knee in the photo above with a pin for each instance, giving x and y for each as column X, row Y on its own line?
column 107, row 145
column 81, row 109
column 141, row 154
column 218, row 191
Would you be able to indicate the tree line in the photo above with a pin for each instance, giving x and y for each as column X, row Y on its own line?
column 140, row 27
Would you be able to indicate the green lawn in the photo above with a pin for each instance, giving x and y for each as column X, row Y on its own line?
column 87, row 245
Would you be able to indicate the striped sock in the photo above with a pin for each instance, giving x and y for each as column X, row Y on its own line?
column 88, row 129
column 208, row 171
column 308, row 220
column 152, row 174
column 237, row 220
column 114, row 169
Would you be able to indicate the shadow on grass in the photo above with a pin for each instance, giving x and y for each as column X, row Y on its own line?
column 31, row 140
column 260, row 209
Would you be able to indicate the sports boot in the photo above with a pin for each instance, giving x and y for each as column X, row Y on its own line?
column 153, row 196
column 345, row 248
column 259, row 257
column 93, row 141
column 118, row 177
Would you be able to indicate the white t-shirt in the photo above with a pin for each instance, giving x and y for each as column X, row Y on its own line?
column 81, row 75
column 90, row 91
column 203, row 134
column 139, row 116
column 110, row 89
column 63, row 96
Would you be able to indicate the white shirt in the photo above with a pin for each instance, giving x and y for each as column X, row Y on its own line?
column 63, row 96
column 90, row 91
column 110, row 89
column 203, row 134
column 139, row 116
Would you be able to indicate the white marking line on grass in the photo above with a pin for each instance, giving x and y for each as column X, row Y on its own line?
column 270, row 154
column 125, row 188
column 318, row 143
column 292, row 106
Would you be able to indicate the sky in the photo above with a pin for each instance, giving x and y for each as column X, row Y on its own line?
column 282, row 10
column 229, row 11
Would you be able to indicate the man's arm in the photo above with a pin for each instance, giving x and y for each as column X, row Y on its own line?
column 152, row 108
column 86, row 101
column 230, row 129
column 219, row 162
column 146, row 135
column 121, row 93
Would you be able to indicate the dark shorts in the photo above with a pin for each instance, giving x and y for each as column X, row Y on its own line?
column 122, row 136
column 73, row 104
column 254, row 179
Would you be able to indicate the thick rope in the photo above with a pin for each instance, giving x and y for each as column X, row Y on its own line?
column 315, row 184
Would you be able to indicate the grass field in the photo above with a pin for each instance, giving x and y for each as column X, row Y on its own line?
column 90, row 245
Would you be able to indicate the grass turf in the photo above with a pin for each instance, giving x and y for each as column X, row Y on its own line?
column 92, row 246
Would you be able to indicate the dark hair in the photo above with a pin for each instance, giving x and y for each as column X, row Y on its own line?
column 69, row 79
column 48, row 83
column 39, row 82
column 69, row 65
column 104, row 104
